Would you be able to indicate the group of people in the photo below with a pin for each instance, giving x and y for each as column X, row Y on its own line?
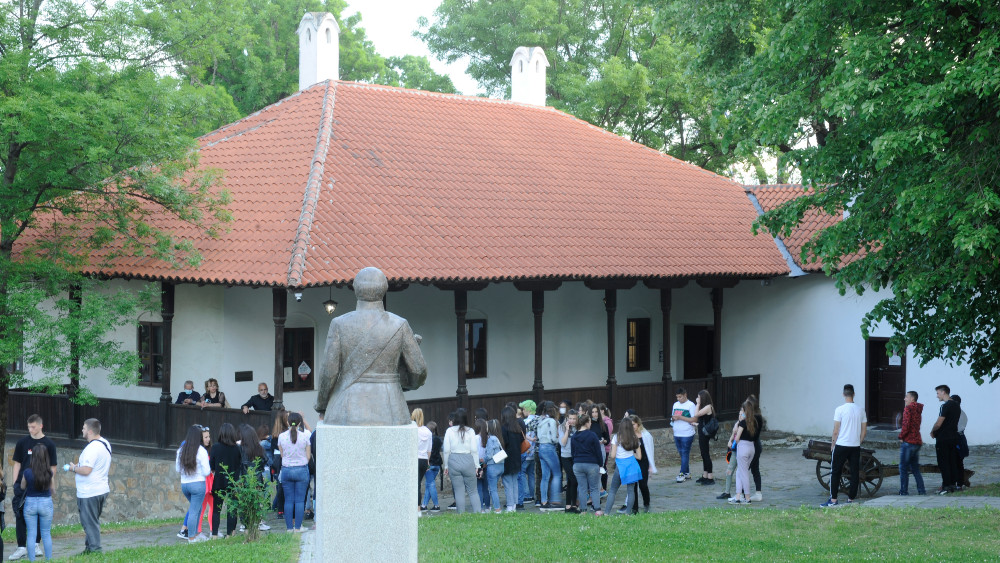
column 262, row 401
column 539, row 452
column 36, row 477
column 850, row 427
column 208, row 471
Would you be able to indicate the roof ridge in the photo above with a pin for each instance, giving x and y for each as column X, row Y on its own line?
column 483, row 99
column 310, row 198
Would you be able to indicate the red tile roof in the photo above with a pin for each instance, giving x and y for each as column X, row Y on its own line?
column 448, row 188
column 771, row 196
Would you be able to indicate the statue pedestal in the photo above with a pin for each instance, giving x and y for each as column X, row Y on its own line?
column 366, row 493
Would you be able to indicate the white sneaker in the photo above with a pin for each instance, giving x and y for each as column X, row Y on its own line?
column 18, row 554
column 263, row 527
column 680, row 477
column 757, row 497
column 198, row 538
column 243, row 528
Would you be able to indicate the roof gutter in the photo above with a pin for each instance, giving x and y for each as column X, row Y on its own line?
column 796, row 271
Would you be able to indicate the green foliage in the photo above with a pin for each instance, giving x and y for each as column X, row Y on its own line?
column 250, row 48
column 611, row 65
column 95, row 149
column 891, row 111
column 275, row 547
column 250, row 496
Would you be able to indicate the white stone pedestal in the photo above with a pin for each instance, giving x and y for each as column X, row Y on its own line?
column 366, row 493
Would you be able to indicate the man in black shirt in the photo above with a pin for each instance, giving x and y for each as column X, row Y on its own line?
column 22, row 460
column 945, row 432
column 262, row 401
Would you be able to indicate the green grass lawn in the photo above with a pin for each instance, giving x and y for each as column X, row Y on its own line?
column 988, row 490
column 69, row 530
column 728, row 534
column 273, row 548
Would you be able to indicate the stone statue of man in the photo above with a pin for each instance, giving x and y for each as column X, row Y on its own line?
column 371, row 357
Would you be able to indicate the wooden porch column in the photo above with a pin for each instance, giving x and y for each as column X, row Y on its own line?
column 73, row 432
column 279, row 307
column 717, row 329
column 167, row 314
column 461, row 308
column 537, row 308
column 666, row 302
column 610, row 306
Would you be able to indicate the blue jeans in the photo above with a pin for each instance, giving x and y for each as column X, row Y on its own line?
column 484, row 492
column 909, row 461
column 38, row 516
column 493, row 473
column 551, row 473
column 294, row 481
column 684, row 448
column 430, row 485
column 195, row 494
column 526, row 479
column 510, row 488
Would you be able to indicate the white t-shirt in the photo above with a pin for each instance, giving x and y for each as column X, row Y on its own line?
column 850, row 416
column 98, row 457
column 201, row 470
column 683, row 428
column 424, row 442
column 620, row 452
column 963, row 421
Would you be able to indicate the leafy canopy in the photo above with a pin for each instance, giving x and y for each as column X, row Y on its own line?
column 901, row 103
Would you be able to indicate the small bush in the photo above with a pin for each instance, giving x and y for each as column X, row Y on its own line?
column 250, row 497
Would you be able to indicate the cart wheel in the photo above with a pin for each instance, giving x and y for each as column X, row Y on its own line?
column 871, row 476
column 823, row 472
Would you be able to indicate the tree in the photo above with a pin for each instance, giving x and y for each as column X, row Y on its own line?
column 250, row 48
column 94, row 146
column 609, row 65
column 900, row 101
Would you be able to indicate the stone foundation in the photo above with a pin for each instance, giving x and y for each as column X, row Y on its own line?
column 141, row 488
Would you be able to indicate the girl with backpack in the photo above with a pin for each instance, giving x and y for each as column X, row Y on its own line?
column 625, row 450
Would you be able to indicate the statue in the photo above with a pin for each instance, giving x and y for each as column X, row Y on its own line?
column 371, row 357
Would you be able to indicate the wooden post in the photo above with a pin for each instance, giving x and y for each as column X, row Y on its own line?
column 279, row 306
column 73, row 432
column 610, row 306
column 167, row 314
column 538, row 307
column 666, row 301
column 461, row 308
column 717, row 329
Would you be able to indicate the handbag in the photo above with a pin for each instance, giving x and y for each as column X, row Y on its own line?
column 711, row 428
column 628, row 470
column 499, row 456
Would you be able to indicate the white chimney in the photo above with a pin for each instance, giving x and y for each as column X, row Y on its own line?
column 319, row 51
column 527, row 76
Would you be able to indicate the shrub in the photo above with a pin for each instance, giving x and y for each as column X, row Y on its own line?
column 250, row 497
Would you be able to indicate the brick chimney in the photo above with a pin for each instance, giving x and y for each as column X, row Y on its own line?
column 527, row 75
column 319, row 49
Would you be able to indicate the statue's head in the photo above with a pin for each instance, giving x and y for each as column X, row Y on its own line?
column 370, row 285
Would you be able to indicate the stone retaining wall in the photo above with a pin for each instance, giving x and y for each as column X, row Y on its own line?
column 141, row 488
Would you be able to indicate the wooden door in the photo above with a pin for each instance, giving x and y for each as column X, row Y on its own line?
column 886, row 383
column 699, row 345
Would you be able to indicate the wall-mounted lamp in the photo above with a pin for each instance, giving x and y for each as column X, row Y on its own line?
column 330, row 304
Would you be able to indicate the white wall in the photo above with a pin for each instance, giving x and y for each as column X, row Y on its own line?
column 805, row 341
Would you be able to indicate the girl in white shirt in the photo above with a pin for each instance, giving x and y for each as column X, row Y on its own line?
column 192, row 464
column 424, row 440
column 461, row 461
column 624, row 445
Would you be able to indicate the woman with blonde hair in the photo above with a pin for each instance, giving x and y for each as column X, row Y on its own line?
column 424, row 442
column 213, row 397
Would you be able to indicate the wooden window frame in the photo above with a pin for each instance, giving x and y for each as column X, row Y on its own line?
column 638, row 349
column 475, row 369
column 146, row 375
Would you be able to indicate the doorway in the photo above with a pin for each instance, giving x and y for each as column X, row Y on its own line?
column 699, row 349
column 298, row 360
column 886, row 382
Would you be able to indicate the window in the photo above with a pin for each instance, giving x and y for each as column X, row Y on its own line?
column 475, row 348
column 150, row 349
column 329, row 36
column 637, row 340
column 18, row 365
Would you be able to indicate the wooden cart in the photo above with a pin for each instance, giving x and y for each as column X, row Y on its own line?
column 871, row 473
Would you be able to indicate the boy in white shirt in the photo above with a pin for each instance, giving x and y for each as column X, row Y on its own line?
column 684, row 431
column 850, row 425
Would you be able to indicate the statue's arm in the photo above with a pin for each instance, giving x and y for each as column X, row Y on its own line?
column 413, row 358
column 329, row 372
